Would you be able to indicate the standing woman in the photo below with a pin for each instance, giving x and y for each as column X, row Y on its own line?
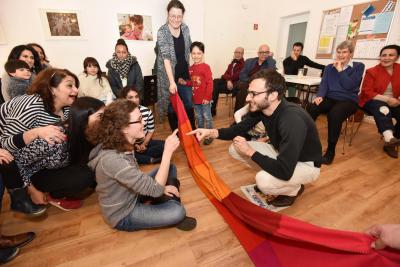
column 124, row 70
column 380, row 96
column 338, row 94
column 173, row 39
column 25, row 53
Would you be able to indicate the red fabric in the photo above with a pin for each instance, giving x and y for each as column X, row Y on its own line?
column 201, row 81
column 273, row 239
column 232, row 72
column 376, row 81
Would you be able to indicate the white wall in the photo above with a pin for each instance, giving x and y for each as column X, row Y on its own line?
column 234, row 27
column 21, row 22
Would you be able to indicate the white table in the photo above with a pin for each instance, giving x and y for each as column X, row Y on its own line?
column 301, row 82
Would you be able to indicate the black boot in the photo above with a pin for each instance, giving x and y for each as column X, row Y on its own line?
column 21, row 202
column 328, row 157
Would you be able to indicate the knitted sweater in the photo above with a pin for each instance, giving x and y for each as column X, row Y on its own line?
column 343, row 85
column 90, row 86
column 119, row 183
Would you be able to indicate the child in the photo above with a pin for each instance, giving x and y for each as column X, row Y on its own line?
column 20, row 77
column 123, row 189
column 92, row 82
column 201, row 80
column 128, row 33
column 149, row 151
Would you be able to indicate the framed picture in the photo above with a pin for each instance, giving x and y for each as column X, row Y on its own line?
column 62, row 24
column 135, row 27
column 3, row 39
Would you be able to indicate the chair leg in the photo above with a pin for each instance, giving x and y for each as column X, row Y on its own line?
column 345, row 134
column 353, row 134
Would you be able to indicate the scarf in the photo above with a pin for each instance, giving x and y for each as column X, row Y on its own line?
column 122, row 66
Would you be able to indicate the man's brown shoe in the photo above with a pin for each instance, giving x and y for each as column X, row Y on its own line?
column 19, row 240
column 391, row 147
column 284, row 201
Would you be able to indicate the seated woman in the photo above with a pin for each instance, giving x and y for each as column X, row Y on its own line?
column 380, row 96
column 25, row 53
column 121, row 185
column 124, row 70
column 338, row 94
column 59, row 171
column 93, row 83
column 148, row 151
column 28, row 117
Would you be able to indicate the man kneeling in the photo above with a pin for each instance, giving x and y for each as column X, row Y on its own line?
column 293, row 156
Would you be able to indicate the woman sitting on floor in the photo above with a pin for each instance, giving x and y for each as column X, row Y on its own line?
column 29, row 117
column 380, row 96
column 48, row 168
column 121, row 185
column 149, row 151
column 337, row 95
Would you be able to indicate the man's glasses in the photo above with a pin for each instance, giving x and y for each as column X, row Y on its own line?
column 254, row 93
column 263, row 52
column 138, row 121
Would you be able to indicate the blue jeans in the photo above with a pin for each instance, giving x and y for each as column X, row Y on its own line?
column 154, row 150
column 186, row 94
column 148, row 216
column 382, row 121
column 203, row 115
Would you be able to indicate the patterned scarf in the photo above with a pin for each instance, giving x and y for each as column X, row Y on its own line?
column 121, row 65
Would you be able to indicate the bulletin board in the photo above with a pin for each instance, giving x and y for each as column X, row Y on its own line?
column 366, row 25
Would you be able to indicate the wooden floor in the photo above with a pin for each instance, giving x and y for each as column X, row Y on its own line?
column 360, row 188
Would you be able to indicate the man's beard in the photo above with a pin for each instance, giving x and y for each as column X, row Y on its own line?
column 253, row 107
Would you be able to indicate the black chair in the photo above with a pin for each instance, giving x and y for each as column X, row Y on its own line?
column 150, row 90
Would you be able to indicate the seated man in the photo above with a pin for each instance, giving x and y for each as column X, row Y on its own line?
column 251, row 66
column 229, row 79
column 293, row 156
column 297, row 61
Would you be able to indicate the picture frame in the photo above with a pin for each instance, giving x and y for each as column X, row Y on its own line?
column 135, row 27
column 62, row 24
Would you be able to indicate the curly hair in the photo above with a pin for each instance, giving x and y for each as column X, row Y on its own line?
column 274, row 82
column 47, row 79
column 108, row 130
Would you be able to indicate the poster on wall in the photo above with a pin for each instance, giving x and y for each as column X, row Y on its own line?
column 62, row 24
column 135, row 27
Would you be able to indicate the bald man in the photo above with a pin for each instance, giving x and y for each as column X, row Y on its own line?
column 228, row 81
column 252, row 66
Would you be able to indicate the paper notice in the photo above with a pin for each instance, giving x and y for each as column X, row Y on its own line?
column 329, row 25
column 345, row 15
column 325, row 45
column 341, row 34
column 367, row 25
column 369, row 48
column 382, row 22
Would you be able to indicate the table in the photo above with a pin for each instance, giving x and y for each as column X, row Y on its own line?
column 303, row 82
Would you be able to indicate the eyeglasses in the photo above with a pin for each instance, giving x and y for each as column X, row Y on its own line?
column 254, row 93
column 263, row 52
column 179, row 17
column 138, row 121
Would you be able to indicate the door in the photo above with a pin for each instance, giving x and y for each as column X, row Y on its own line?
column 297, row 33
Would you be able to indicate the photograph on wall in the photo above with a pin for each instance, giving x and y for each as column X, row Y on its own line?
column 135, row 27
column 61, row 24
